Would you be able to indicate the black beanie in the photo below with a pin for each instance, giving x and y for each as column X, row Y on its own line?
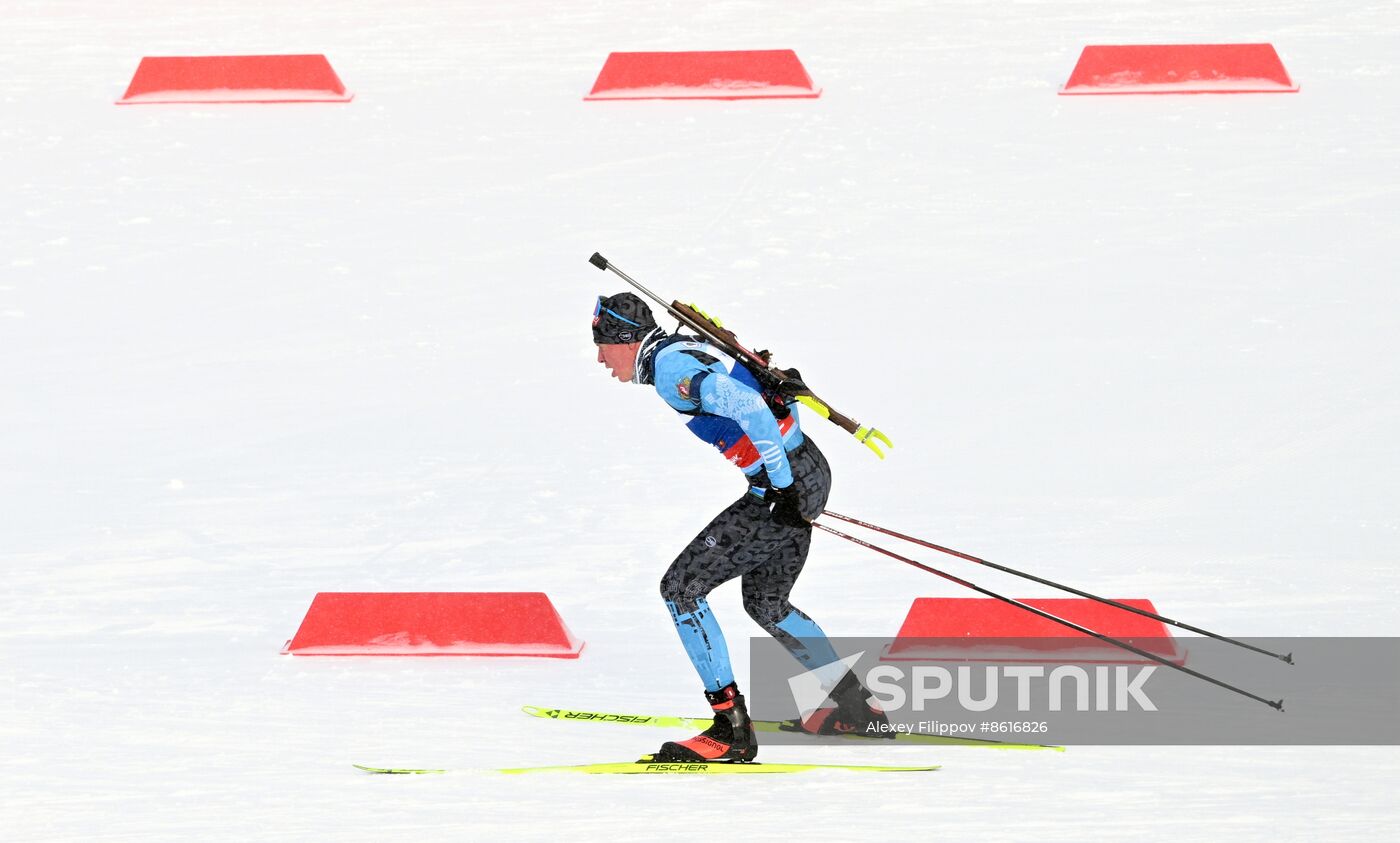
column 621, row 319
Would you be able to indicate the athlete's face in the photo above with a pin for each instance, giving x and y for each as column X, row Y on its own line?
column 620, row 359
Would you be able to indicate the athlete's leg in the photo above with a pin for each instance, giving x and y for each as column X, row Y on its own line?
column 718, row 554
column 741, row 540
column 766, row 590
column 784, row 551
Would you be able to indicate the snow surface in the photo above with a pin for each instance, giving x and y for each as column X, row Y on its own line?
column 1146, row 345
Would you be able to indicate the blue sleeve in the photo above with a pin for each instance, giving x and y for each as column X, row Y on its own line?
column 724, row 396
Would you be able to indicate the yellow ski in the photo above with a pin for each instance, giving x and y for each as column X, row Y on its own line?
column 702, row 723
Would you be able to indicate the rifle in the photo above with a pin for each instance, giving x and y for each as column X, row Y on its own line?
column 786, row 383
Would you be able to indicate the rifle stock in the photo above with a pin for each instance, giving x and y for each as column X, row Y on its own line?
column 721, row 337
column 780, row 380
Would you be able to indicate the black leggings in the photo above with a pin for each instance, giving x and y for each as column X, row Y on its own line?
column 743, row 540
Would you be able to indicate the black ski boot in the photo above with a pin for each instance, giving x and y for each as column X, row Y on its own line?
column 850, row 713
column 730, row 738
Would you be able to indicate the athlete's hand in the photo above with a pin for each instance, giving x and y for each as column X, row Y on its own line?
column 787, row 506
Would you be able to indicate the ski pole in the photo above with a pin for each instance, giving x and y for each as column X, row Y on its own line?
column 1276, row 704
column 781, row 381
column 1032, row 577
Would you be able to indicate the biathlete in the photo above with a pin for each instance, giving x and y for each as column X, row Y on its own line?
column 762, row 537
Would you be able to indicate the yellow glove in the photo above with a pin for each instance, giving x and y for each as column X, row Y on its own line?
column 714, row 320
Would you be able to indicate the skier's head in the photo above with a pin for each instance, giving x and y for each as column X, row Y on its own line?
column 620, row 322
column 621, row 319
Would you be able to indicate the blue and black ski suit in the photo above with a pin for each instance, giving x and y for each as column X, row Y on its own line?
column 727, row 408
